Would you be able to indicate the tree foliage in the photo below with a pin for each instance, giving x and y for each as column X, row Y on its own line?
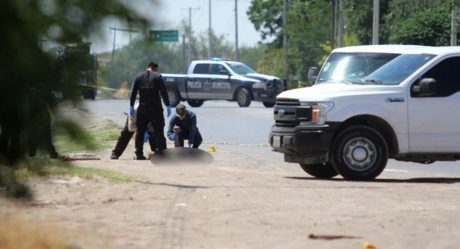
column 172, row 57
column 430, row 27
column 309, row 27
column 28, row 75
column 132, row 59
column 306, row 31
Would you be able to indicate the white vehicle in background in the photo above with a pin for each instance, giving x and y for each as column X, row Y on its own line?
column 371, row 103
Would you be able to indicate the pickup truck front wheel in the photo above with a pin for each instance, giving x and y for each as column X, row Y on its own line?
column 359, row 153
column 324, row 170
column 243, row 97
column 195, row 102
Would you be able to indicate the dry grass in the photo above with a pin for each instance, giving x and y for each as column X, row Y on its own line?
column 16, row 233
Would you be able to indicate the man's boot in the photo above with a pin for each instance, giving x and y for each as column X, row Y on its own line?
column 140, row 157
column 114, row 156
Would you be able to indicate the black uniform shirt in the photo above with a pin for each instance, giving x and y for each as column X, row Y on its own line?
column 150, row 85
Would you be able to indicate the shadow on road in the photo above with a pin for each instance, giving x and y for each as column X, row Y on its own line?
column 436, row 180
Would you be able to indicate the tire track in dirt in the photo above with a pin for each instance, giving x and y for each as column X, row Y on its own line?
column 174, row 225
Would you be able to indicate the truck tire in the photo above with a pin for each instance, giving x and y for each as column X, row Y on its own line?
column 195, row 102
column 174, row 98
column 243, row 97
column 89, row 93
column 323, row 171
column 269, row 104
column 359, row 153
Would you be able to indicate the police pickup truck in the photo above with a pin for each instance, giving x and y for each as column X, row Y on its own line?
column 222, row 80
column 371, row 103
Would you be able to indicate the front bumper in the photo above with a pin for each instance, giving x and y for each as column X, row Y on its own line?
column 269, row 94
column 307, row 144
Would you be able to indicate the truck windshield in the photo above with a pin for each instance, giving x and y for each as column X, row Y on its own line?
column 395, row 71
column 240, row 68
column 371, row 68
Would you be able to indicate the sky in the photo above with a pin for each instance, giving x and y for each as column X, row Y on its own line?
column 168, row 14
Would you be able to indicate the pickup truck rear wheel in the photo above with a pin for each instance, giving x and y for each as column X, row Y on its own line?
column 195, row 102
column 359, row 153
column 269, row 104
column 243, row 97
column 323, row 170
column 174, row 97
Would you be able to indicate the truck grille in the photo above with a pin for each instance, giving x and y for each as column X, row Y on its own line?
column 289, row 113
column 288, row 102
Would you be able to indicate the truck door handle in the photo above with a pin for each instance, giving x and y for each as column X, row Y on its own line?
column 395, row 99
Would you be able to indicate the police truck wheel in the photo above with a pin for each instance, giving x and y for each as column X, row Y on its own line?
column 174, row 98
column 322, row 170
column 269, row 104
column 359, row 153
column 243, row 97
column 195, row 102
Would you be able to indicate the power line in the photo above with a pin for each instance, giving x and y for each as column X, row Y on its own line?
column 115, row 29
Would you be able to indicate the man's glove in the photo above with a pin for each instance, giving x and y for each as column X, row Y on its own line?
column 146, row 137
column 132, row 112
column 168, row 110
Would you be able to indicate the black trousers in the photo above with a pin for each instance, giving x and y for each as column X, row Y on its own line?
column 39, row 133
column 184, row 135
column 148, row 114
column 125, row 136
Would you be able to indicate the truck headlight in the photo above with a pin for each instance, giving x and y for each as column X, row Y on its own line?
column 260, row 85
column 319, row 111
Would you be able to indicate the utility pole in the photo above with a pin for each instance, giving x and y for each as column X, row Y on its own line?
column 237, row 50
column 340, row 32
column 209, row 32
column 115, row 29
column 453, row 30
column 333, row 2
column 285, row 50
column 114, row 39
column 189, row 52
column 375, row 23
column 183, row 53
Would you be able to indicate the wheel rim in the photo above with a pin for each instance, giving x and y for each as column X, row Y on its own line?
column 173, row 97
column 360, row 154
column 242, row 96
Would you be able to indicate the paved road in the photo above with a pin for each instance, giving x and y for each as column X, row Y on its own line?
column 223, row 122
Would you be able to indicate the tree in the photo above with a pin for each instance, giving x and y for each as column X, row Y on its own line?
column 430, row 27
column 28, row 75
column 307, row 29
column 132, row 59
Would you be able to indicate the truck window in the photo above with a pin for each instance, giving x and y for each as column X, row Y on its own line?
column 218, row 69
column 240, row 68
column 446, row 75
column 202, row 68
column 398, row 69
column 352, row 67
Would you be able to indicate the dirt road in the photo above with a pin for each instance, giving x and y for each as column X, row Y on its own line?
column 244, row 200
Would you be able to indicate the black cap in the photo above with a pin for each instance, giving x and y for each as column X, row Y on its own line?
column 181, row 109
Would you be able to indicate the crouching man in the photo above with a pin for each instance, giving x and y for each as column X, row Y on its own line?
column 182, row 127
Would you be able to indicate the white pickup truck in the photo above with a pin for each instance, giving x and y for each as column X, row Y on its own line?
column 371, row 103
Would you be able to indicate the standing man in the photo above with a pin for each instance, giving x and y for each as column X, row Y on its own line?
column 150, row 85
column 183, row 126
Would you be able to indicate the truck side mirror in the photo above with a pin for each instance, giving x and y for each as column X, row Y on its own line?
column 312, row 74
column 427, row 87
